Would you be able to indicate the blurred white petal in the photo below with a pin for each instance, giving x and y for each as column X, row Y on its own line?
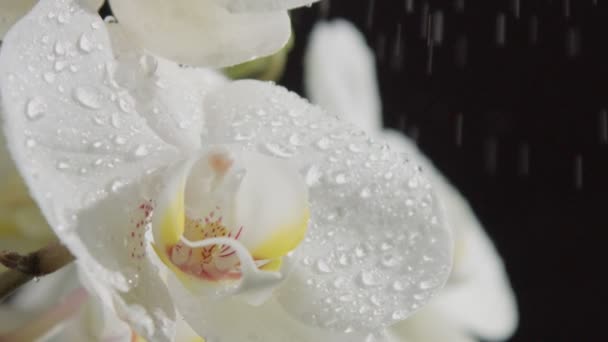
column 340, row 74
column 201, row 32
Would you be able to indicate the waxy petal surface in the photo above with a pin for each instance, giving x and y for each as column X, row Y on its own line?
column 376, row 244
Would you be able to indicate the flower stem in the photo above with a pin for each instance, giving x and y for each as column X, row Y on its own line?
column 22, row 268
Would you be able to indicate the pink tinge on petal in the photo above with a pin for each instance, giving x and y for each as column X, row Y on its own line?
column 213, row 263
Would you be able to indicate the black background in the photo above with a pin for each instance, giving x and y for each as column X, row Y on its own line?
column 531, row 155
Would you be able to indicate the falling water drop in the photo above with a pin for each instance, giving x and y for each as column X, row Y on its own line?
column 501, row 29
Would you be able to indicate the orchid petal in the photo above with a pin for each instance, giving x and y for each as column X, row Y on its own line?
column 478, row 296
column 74, row 145
column 232, row 319
column 168, row 95
column 340, row 74
column 376, row 238
column 429, row 325
column 202, row 33
column 262, row 5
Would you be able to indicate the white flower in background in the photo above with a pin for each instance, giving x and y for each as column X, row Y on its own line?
column 239, row 206
column 477, row 300
column 214, row 33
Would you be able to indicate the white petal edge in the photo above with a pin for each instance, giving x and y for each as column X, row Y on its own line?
column 232, row 319
column 478, row 295
column 262, row 5
column 202, row 33
column 340, row 74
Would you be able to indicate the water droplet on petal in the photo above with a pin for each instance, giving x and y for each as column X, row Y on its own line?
column 323, row 267
column 49, row 77
column 60, row 65
column 398, row 286
column 115, row 120
column 313, row 175
column 279, row 150
column 62, row 165
column 120, row 140
column 84, row 43
column 88, row 97
column 399, row 314
column 30, row 142
column 369, row 278
column 427, row 284
column 340, row 178
column 35, row 108
column 323, row 143
column 59, row 48
column 365, row 193
column 141, row 151
column 116, row 185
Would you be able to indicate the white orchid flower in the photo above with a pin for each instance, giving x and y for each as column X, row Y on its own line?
column 214, row 33
column 477, row 300
column 240, row 206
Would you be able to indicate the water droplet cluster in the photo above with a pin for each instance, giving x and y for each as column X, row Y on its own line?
column 374, row 219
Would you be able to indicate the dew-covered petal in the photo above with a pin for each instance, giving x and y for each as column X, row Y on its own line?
column 377, row 248
column 262, row 5
column 77, row 149
column 340, row 74
column 232, row 319
column 202, row 33
column 11, row 11
column 168, row 96
column 478, row 296
column 124, row 274
column 429, row 325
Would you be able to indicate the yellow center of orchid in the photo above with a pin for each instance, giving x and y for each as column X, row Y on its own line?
column 218, row 204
